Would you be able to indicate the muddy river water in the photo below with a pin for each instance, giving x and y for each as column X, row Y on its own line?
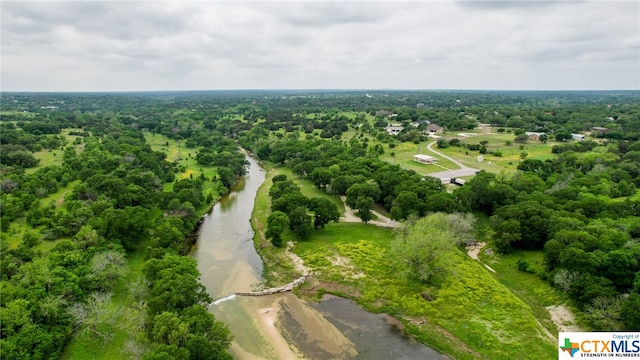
column 282, row 326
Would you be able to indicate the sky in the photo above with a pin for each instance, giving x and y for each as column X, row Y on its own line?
column 216, row 45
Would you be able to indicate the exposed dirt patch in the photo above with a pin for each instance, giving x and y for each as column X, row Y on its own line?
column 394, row 322
column 297, row 261
column 315, row 285
column 344, row 263
column 563, row 318
column 474, row 250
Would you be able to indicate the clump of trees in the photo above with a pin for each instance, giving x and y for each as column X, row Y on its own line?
column 292, row 209
column 179, row 324
column 118, row 204
column 425, row 249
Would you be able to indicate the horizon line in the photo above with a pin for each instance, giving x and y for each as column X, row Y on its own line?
column 310, row 89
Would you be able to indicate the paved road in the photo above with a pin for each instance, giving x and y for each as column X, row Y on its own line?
column 463, row 171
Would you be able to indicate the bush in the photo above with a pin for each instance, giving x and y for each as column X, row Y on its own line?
column 524, row 266
column 442, row 143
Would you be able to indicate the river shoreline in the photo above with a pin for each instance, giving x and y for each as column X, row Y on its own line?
column 325, row 297
column 232, row 258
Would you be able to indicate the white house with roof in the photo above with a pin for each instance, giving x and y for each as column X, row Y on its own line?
column 578, row 137
column 425, row 159
column 394, row 129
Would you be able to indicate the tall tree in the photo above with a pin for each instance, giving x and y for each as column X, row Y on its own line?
column 424, row 250
column 277, row 224
column 300, row 222
column 324, row 211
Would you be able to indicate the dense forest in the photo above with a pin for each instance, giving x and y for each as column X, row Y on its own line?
column 83, row 190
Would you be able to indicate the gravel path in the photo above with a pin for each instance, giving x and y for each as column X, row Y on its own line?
column 383, row 221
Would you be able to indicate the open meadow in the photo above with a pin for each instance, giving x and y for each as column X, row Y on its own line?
column 186, row 158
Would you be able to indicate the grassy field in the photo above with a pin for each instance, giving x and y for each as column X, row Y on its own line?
column 25, row 113
column 48, row 157
column 404, row 157
column 51, row 157
column 471, row 304
column 530, row 288
column 510, row 158
column 177, row 152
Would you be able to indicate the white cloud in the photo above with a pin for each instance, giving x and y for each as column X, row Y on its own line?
column 78, row 46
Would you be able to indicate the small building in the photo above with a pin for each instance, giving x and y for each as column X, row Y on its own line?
column 394, row 129
column 534, row 136
column 433, row 128
column 578, row 137
column 384, row 113
column 600, row 129
column 425, row 159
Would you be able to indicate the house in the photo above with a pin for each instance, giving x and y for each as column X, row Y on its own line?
column 394, row 129
column 425, row 159
column 433, row 128
column 600, row 129
column 534, row 136
column 578, row 137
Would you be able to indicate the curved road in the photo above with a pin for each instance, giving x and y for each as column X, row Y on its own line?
column 463, row 171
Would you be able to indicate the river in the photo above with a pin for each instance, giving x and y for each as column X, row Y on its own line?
column 282, row 326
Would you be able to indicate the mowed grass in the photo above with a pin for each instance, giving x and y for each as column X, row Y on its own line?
column 470, row 304
column 49, row 157
column 404, row 153
column 511, row 154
